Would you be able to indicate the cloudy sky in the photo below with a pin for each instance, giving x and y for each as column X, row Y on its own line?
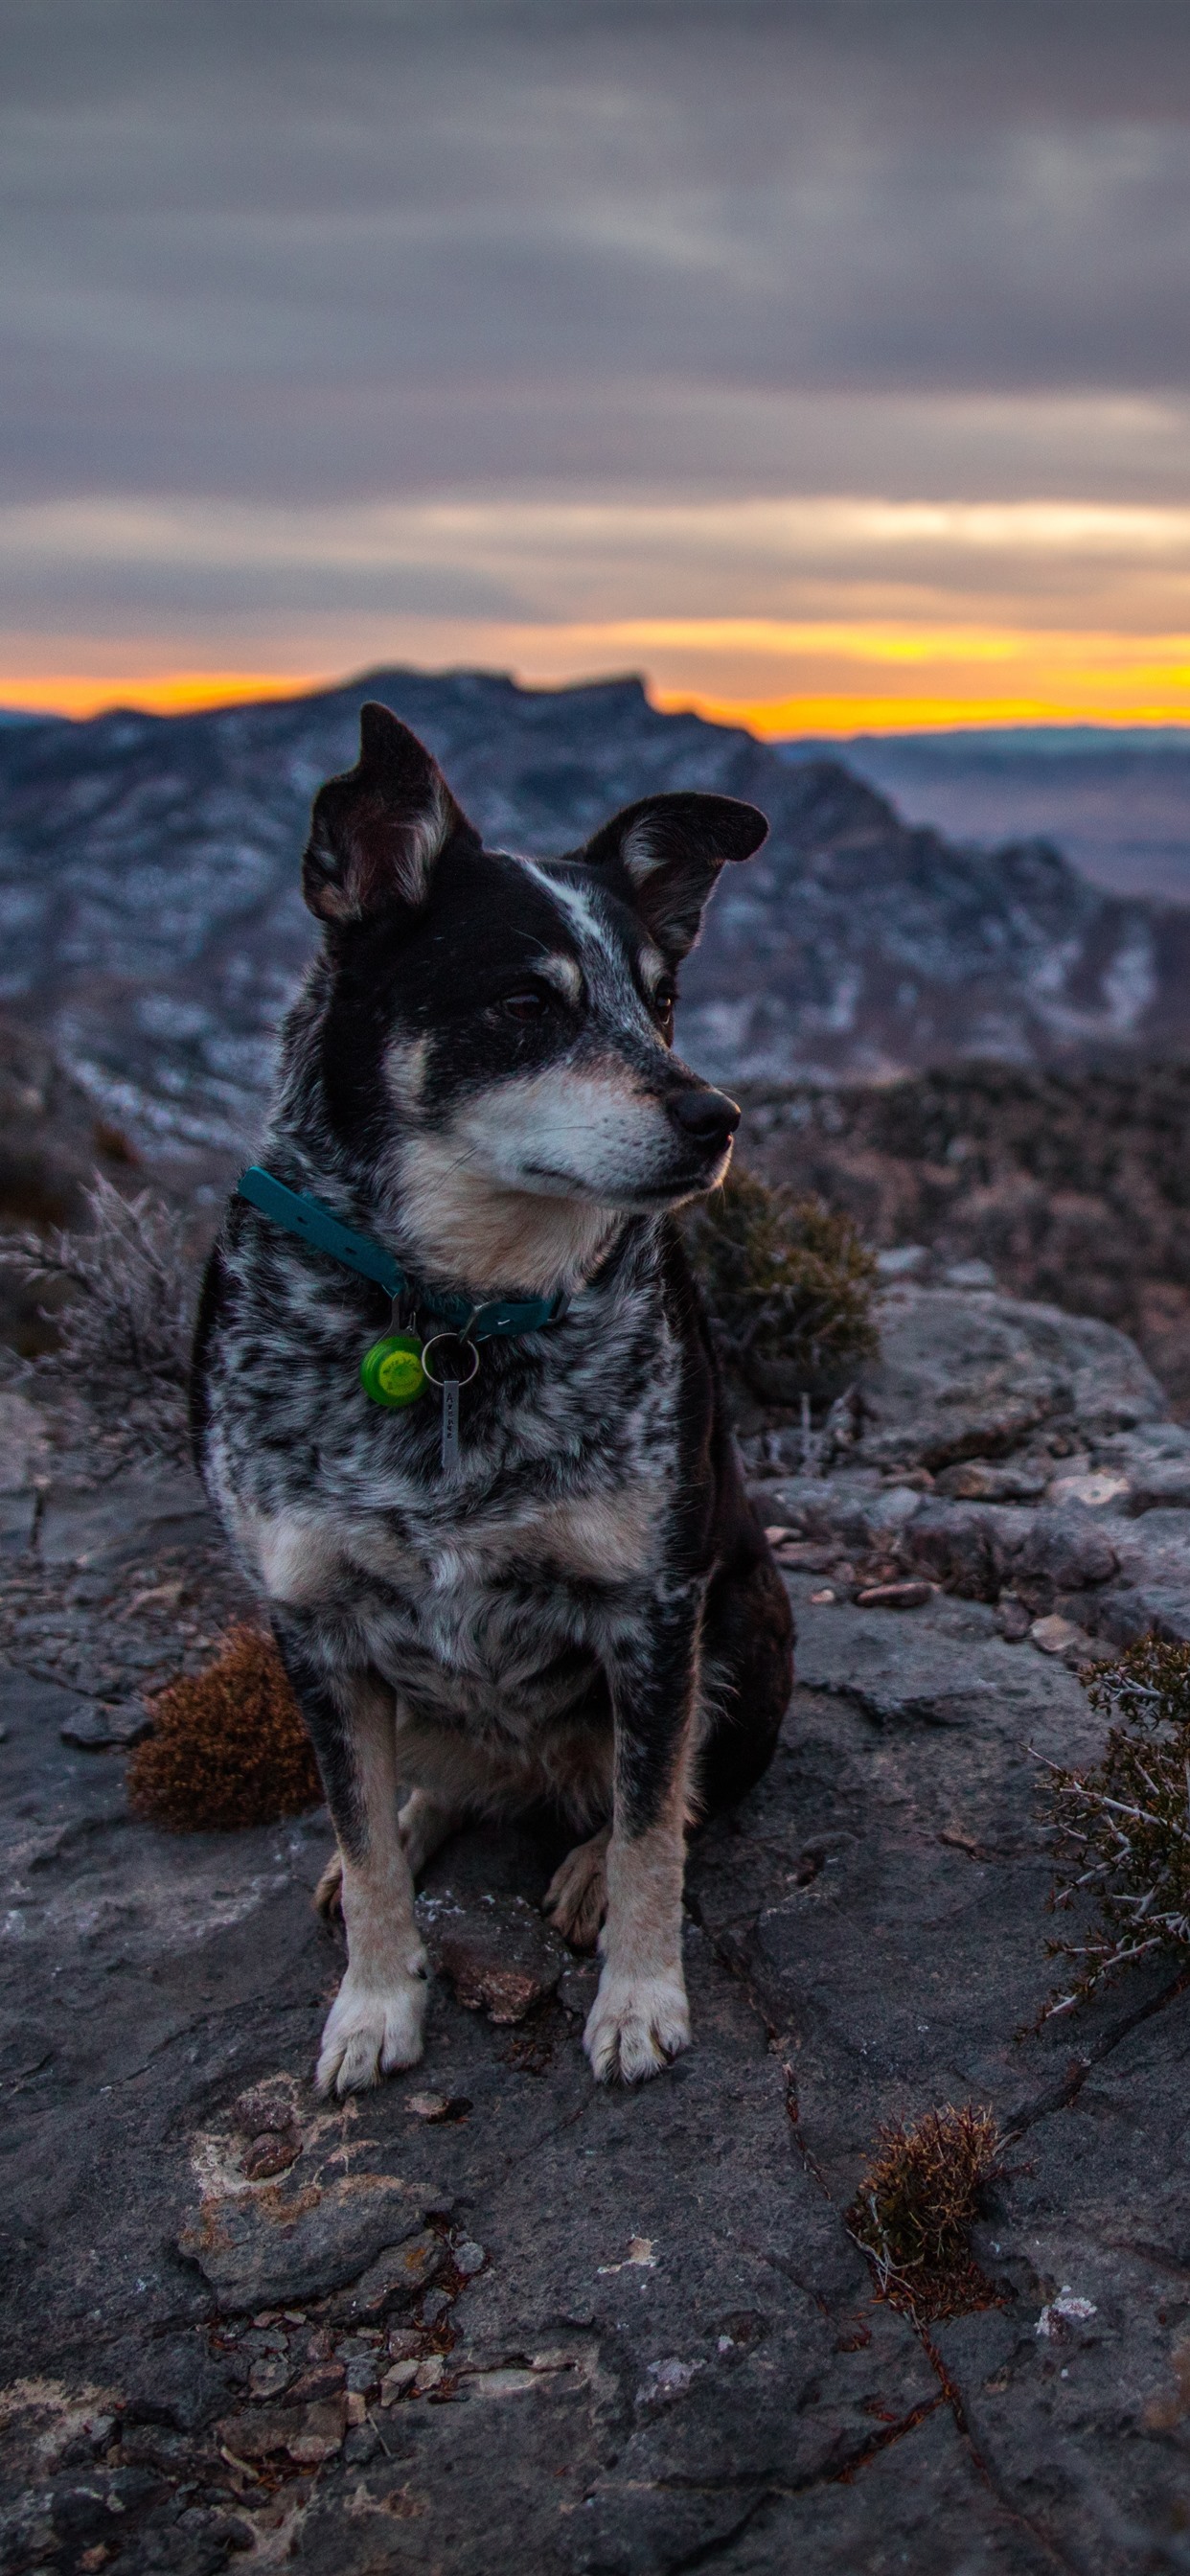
column 828, row 363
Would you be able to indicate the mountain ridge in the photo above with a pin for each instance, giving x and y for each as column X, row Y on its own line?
column 153, row 924
column 1116, row 799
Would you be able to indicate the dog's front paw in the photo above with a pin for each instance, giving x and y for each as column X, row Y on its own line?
column 371, row 2030
column 635, row 2026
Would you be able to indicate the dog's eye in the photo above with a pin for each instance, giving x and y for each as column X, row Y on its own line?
column 663, row 1006
column 525, row 1006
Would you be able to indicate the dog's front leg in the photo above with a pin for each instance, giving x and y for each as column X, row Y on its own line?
column 375, row 2022
column 639, row 2019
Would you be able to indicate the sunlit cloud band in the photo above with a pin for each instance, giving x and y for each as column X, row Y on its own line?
column 827, row 613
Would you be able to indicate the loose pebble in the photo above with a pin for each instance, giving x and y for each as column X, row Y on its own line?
column 1053, row 1635
column 268, row 2377
column 1012, row 1619
column 1062, row 2313
column 1094, row 1492
column 271, row 2154
column 428, row 2106
column 398, row 2379
column 325, row 2379
column 100, row 1730
column 257, row 2112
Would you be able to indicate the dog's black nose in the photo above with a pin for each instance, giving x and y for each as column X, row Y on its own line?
column 708, row 1118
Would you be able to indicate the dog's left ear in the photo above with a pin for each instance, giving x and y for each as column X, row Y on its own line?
column 377, row 833
column 670, row 849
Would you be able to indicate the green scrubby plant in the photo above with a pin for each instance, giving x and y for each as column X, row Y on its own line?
column 916, row 2205
column 789, row 1286
column 1120, row 1829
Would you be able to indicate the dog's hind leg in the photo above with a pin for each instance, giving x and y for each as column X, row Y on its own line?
column 424, row 1826
column 748, row 1642
column 375, row 2022
column 328, row 1895
column 578, row 1892
column 576, row 1898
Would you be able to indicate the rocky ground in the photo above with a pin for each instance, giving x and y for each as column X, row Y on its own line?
column 490, row 2319
column 1070, row 1184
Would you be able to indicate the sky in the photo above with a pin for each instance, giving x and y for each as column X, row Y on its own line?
column 827, row 364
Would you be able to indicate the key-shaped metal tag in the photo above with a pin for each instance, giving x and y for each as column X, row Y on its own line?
column 450, row 1422
column 451, row 1387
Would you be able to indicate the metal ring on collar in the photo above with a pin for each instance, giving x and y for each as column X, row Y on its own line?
column 461, row 1338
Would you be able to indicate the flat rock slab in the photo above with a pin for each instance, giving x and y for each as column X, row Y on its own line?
column 922, row 2508
column 1094, row 2233
column 82, row 1521
column 53, row 1795
column 944, row 1666
column 489, row 2318
column 295, row 2238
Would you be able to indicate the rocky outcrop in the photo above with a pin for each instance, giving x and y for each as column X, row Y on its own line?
column 1010, row 1454
column 1069, row 1184
column 1117, row 800
column 490, row 2318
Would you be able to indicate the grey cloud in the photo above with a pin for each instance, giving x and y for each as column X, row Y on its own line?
column 53, row 592
column 347, row 249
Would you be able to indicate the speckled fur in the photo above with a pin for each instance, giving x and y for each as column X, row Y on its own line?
column 583, row 1609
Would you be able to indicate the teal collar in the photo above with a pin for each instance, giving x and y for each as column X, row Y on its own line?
column 313, row 1223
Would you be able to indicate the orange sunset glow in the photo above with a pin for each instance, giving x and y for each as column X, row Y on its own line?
column 849, row 681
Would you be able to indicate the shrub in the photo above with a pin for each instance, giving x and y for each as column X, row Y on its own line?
column 789, row 1286
column 1120, row 1830
column 916, row 2205
column 228, row 1746
column 124, row 1335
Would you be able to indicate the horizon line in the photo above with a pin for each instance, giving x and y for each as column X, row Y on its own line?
column 77, row 698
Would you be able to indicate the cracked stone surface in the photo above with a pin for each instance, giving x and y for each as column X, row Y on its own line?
column 489, row 2318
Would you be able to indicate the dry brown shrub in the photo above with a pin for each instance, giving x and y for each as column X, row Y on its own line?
column 124, row 1332
column 1120, row 1829
column 916, row 2206
column 228, row 1746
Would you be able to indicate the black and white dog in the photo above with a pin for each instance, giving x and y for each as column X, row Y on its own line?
column 579, row 1607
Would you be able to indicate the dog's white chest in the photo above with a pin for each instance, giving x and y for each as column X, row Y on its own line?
column 490, row 1600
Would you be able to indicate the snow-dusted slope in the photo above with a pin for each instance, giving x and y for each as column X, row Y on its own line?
column 151, row 917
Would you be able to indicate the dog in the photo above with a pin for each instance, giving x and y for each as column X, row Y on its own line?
column 566, row 1597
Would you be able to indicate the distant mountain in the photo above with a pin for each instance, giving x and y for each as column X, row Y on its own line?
column 152, row 923
column 1115, row 798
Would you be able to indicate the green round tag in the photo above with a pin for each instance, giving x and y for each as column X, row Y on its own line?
column 391, row 1372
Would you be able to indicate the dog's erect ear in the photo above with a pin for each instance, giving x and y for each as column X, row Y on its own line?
column 377, row 832
column 671, row 849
